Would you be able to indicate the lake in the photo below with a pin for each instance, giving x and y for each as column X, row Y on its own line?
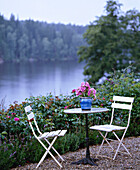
column 21, row 80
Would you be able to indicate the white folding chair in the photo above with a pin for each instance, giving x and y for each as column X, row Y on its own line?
column 119, row 103
column 45, row 136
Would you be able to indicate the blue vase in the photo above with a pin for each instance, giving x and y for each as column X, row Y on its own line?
column 86, row 103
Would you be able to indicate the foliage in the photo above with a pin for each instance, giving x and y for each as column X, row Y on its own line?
column 30, row 40
column 123, row 83
column 16, row 152
column 17, row 144
column 113, row 42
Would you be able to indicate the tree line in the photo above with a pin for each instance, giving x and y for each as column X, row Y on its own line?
column 34, row 40
column 110, row 43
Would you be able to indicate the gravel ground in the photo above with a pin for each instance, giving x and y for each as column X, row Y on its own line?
column 122, row 161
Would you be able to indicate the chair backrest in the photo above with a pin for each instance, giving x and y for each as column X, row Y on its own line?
column 31, row 118
column 121, row 102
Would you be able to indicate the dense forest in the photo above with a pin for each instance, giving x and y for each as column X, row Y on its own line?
column 34, row 40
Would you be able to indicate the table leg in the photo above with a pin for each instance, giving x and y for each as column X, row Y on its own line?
column 88, row 159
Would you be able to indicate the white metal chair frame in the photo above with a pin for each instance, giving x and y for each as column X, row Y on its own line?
column 113, row 128
column 45, row 136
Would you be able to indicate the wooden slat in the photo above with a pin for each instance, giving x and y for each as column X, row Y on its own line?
column 123, row 99
column 121, row 106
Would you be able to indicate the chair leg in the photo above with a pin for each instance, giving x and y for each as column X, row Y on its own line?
column 48, row 151
column 104, row 139
column 120, row 145
column 54, row 150
column 101, row 143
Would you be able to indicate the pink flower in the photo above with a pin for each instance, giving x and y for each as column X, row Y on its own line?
column 65, row 107
column 92, row 91
column 85, row 90
column 73, row 91
column 101, row 104
column 78, row 91
column 82, row 84
column 16, row 119
column 13, row 114
column 8, row 116
column 103, row 98
column 79, row 88
column 87, row 85
column 89, row 92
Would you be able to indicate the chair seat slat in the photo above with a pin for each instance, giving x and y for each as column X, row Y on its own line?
column 62, row 133
column 107, row 128
column 53, row 133
column 43, row 135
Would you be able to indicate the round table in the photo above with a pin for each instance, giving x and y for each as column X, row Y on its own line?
column 87, row 159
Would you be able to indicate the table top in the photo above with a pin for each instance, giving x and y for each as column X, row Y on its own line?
column 79, row 110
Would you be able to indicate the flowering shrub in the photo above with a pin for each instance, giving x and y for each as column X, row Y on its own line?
column 85, row 90
column 17, row 142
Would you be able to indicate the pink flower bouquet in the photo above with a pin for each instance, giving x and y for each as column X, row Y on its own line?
column 85, row 90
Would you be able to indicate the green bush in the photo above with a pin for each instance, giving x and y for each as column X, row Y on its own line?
column 17, row 144
column 122, row 84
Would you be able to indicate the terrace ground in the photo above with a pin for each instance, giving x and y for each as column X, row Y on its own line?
column 122, row 161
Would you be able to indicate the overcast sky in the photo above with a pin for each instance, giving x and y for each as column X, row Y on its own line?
column 79, row 12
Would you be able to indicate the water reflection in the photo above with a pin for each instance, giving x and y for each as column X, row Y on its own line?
column 21, row 80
